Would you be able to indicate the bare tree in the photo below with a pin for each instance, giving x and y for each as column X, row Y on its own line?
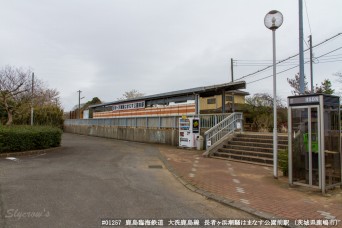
column 339, row 76
column 259, row 108
column 264, row 100
column 14, row 83
column 16, row 98
column 294, row 83
column 43, row 96
column 131, row 94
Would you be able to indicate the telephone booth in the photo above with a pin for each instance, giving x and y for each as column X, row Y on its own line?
column 314, row 141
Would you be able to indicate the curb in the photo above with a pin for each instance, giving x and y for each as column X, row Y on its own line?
column 30, row 152
column 220, row 199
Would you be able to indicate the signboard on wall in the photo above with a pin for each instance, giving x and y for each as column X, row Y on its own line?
column 195, row 126
column 131, row 105
column 86, row 114
column 304, row 100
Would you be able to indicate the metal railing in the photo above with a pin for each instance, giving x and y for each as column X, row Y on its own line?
column 207, row 121
column 227, row 126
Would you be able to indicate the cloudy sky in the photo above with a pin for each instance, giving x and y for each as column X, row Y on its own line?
column 107, row 47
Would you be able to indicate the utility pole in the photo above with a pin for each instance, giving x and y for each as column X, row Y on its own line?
column 301, row 49
column 232, row 68
column 32, row 99
column 79, row 104
column 311, row 64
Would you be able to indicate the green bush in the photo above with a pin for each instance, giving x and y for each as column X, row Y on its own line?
column 23, row 138
column 283, row 161
column 47, row 115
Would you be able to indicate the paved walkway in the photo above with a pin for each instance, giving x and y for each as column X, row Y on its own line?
column 252, row 188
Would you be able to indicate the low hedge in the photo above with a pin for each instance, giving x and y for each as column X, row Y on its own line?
column 23, row 138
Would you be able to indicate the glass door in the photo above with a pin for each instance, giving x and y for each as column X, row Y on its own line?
column 305, row 146
column 313, row 148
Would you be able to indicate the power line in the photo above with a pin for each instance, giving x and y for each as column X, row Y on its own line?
column 331, row 61
column 260, row 64
column 277, row 73
column 281, row 61
column 329, row 52
column 306, row 44
column 280, row 72
column 331, row 58
column 266, row 62
column 335, row 55
column 307, row 16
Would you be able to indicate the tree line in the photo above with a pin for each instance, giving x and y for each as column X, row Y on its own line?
column 17, row 98
column 258, row 109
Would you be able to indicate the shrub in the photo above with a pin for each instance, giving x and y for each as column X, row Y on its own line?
column 47, row 115
column 23, row 138
column 283, row 161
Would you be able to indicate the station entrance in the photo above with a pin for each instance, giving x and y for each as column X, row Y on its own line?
column 314, row 141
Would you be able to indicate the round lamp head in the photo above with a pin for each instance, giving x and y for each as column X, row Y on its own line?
column 273, row 20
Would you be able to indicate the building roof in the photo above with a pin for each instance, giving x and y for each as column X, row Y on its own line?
column 184, row 95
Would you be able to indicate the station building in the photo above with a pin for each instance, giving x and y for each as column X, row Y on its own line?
column 221, row 98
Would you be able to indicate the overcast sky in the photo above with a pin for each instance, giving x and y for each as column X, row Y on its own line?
column 107, row 47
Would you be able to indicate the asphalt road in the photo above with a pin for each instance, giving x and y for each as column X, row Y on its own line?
column 89, row 179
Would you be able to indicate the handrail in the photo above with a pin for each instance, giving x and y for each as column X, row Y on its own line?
column 227, row 126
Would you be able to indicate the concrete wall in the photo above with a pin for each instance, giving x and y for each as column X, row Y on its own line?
column 163, row 136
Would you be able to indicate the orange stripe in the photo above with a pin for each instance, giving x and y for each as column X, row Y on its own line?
column 179, row 110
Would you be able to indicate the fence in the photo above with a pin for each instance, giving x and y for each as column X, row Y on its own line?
column 207, row 121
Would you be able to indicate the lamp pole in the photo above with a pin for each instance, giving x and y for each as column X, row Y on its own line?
column 275, row 128
column 273, row 20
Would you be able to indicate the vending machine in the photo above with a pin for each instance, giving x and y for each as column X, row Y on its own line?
column 189, row 129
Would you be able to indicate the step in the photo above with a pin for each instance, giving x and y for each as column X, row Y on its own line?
column 265, row 136
column 246, row 152
column 261, row 140
column 255, row 144
column 261, row 160
column 257, row 149
column 242, row 161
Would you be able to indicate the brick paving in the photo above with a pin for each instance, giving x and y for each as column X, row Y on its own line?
column 252, row 186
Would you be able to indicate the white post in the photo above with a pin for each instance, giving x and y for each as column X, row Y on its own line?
column 275, row 130
column 289, row 114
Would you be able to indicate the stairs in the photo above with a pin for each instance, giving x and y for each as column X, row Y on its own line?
column 251, row 148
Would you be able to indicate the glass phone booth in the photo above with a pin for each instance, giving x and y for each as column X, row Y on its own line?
column 314, row 141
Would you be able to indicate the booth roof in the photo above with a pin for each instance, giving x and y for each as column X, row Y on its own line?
column 204, row 91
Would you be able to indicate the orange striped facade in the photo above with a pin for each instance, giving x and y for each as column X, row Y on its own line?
column 187, row 109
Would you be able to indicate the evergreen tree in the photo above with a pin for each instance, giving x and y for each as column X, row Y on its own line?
column 324, row 88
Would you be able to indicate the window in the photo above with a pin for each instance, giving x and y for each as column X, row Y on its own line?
column 211, row 101
column 229, row 98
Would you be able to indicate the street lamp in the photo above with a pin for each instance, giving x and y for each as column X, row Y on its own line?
column 272, row 21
